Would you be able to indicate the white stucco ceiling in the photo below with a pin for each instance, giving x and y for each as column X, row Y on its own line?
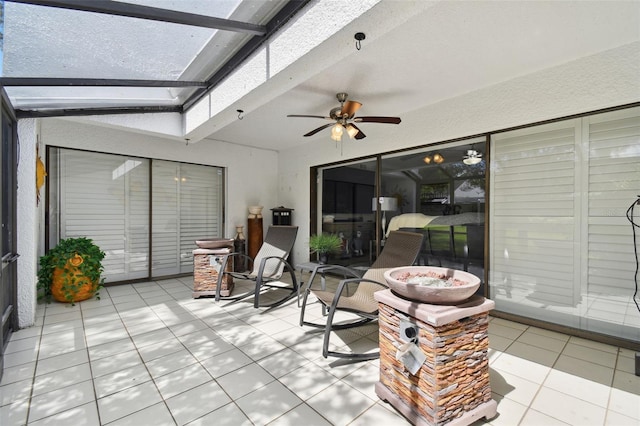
column 445, row 50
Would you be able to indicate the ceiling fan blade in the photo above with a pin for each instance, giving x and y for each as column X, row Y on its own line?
column 389, row 120
column 350, row 108
column 358, row 135
column 310, row 116
column 314, row 131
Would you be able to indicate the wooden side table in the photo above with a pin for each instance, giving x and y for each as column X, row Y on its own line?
column 255, row 236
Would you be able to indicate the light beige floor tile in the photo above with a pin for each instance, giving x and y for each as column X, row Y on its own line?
column 509, row 412
column 60, row 400
column 592, row 392
column 244, row 380
column 14, row 414
column 513, row 387
column 534, row 354
column 197, row 402
column 175, row 361
column 160, row 349
column 158, row 414
column 536, row 418
column 343, row 410
column 586, row 353
column 18, row 373
column 626, row 364
column 84, row 415
column 534, row 338
column 282, row 362
column 627, row 382
column 128, row 401
column 364, row 379
column 617, row 419
column 229, row 415
column 625, row 403
column 567, row 408
column 261, row 347
column 526, row 369
column 120, row 380
column 115, row 363
column 308, row 380
column 499, row 343
column 187, row 327
column 15, row 391
column 70, row 359
column 226, row 362
column 303, row 414
column 26, row 344
column 107, row 336
column 182, row 380
column 111, row 349
column 586, row 370
column 25, row 333
column 573, row 340
column 380, row 414
column 268, row 403
column 152, row 337
column 61, row 378
column 18, row 358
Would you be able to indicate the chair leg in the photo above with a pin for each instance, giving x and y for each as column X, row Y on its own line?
column 327, row 336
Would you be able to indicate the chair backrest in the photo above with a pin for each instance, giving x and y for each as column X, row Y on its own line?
column 278, row 242
column 400, row 249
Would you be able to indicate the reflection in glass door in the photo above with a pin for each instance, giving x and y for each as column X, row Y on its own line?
column 440, row 192
column 347, row 191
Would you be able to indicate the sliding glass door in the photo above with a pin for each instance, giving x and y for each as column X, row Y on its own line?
column 144, row 214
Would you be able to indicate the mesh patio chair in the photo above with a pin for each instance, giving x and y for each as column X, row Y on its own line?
column 401, row 249
column 268, row 266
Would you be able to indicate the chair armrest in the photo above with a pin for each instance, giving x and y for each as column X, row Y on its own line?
column 322, row 269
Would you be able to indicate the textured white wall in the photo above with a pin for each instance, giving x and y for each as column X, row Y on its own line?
column 605, row 80
column 27, row 223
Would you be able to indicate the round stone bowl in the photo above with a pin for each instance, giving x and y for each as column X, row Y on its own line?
column 214, row 243
column 255, row 209
column 428, row 294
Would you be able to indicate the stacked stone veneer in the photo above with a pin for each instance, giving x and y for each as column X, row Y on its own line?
column 453, row 380
column 205, row 274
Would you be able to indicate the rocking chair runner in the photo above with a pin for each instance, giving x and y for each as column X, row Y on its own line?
column 268, row 266
column 401, row 249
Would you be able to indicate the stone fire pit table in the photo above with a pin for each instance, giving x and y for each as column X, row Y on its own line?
column 451, row 386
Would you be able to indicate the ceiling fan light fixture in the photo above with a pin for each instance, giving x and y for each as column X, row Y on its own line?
column 472, row 157
column 437, row 158
column 336, row 132
column 351, row 131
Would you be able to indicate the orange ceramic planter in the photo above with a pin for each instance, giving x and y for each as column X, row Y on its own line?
column 74, row 282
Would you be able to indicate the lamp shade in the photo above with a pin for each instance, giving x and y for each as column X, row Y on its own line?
column 387, row 204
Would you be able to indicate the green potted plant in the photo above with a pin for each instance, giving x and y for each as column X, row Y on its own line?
column 71, row 271
column 324, row 245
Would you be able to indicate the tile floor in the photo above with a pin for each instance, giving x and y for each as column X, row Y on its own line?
column 151, row 354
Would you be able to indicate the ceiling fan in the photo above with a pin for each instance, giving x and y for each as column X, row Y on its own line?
column 472, row 157
column 344, row 119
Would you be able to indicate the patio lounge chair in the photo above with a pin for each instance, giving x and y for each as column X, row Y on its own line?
column 268, row 266
column 401, row 249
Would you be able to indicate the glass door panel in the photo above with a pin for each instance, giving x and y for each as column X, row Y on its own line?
column 347, row 191
column 436, row 193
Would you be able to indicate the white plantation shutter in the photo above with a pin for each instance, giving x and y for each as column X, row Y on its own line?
column 561, row 247
column 187, row 206
column 105, row 198
column 533, row 208
column 613, row 184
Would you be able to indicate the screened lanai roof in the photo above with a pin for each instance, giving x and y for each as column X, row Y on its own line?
column 73, row 57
